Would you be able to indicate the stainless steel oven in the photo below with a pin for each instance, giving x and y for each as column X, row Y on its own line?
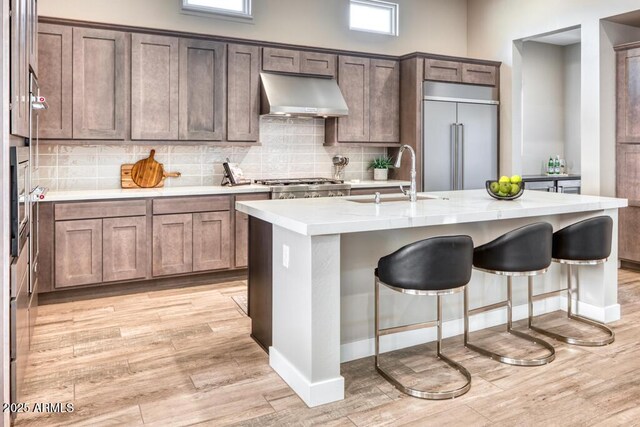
column 20, row 194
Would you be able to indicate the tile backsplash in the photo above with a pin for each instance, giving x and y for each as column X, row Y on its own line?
column 290, row 148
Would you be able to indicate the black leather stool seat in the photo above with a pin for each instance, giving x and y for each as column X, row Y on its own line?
column 587, row 240
column 522, row 250
column 433, row 264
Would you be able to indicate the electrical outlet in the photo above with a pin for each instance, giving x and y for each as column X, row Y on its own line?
column 285, row 256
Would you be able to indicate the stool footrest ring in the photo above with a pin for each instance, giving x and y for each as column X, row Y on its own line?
column 515, row 361
column 429, row 394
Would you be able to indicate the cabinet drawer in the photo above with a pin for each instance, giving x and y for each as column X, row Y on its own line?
column 447, row 71
column 479, row 74
column 191, row 204
column 89, row 210
column 282, row 60
column 322, row 64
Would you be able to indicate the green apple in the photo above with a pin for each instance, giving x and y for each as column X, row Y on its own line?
column 516, row 179
column 505, row 179
column 505, row 187
column 494, row 187
column 515, row 189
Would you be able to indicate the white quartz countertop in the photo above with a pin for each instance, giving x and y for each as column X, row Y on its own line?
column 342, row 215
column 132, row 193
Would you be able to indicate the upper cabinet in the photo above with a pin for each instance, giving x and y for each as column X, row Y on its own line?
column 100, row 84
column 55, row 43
column 628, row 95
column 243, row 92
column 460, row 72
column 154, row 87
column 19, row 82
column 202, row 90
column 371, row 88
column 298, row 62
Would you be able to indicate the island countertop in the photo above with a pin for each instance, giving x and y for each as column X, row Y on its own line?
column 325, row 216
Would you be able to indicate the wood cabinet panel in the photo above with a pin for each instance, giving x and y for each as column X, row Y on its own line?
column 55, row 62
column 172, row 244
column 322, row 64
column 154, row 87
column 628, row 232
column 19, row 82
column 243, row 92
column 100, row 82
column 191, row 204
column 202, row 90
column 384, row 101
column 78, row 253
column 628, row 172
column 242, row 230
column 354, row 75
column 124, row 247
column 628, row 95
column 479, row 74
column 280, row 60
column 211, row 240
column 88, row 210
column 446, row 71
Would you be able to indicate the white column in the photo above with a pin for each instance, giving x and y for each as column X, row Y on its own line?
column 306, row 315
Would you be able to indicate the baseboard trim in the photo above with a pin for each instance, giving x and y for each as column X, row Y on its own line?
column 451, row 328
column 313, row 394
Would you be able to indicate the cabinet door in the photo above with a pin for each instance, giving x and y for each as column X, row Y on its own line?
column 478, row 74
column 628, row 96
column 32, row 34
column 322, row 64
column 628, row 172
column 19, row 85
column 154, row 87
column 78, row 252
column 353, row 79
column 385, row 101
column 172, row 244
column 124, row 248
column 202, row 90
column 628, row 231
column 54, row 56
column 281, row 60
column 211, row 240
column 445, row 71
column 100, row 81
column 243, row 96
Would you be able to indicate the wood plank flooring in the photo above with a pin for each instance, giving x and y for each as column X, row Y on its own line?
column 184, row 357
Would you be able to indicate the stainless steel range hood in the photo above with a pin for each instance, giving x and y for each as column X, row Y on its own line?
column 300, row 96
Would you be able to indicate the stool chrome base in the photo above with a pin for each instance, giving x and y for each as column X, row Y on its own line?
column 570, row 314
column 509, row 304
column 429, row 394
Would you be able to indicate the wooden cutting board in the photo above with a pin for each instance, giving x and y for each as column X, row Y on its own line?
column 126, row 181
column 145, row 173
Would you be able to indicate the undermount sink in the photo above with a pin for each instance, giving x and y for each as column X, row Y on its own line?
column 391, row 199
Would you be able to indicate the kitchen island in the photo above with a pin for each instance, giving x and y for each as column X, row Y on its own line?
column 322, row 254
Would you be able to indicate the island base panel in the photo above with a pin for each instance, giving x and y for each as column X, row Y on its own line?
column 260, row 281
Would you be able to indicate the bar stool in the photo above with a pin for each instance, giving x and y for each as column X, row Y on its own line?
column 433, row 267
column 586, row 242
column 525, row 251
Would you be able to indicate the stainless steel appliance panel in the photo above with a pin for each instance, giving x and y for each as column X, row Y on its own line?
column 477, row 141
column 569, row 186
column 19, row 197
column 439, row 145
column 548, row 186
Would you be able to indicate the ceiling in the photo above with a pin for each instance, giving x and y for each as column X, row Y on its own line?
column 563, row 38
column 631, row 18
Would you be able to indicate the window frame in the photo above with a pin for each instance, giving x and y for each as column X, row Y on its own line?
column 391, row 6
column 247, row 12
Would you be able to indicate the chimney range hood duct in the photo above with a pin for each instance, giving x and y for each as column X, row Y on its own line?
column 300, row 96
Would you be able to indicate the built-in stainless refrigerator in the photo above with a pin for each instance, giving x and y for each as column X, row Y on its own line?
column 460, row 131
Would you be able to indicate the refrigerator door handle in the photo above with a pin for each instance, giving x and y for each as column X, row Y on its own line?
column 454, row 156
column 461, row 154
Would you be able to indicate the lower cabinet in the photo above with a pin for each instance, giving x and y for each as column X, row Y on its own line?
column 124, row 248
column 172, row 244
column 78, row 249
column 629, row 228
column 211, row 240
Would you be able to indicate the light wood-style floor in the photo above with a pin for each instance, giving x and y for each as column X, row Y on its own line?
column 184, row 356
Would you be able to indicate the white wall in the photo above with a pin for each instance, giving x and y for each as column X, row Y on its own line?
column 543, row 105
column 572, row 122
column 493, row 25
column 435, row 26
